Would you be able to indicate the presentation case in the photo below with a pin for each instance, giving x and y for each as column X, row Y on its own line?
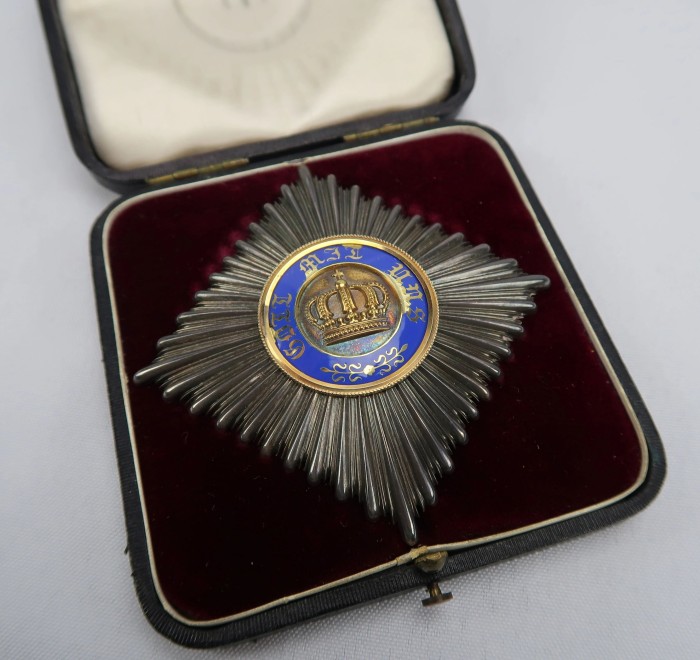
column 227, row 545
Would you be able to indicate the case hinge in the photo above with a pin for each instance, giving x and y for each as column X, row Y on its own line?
column 390, row 128
column 193, row 172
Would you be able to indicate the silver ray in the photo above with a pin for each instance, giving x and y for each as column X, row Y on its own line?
column 388, row 448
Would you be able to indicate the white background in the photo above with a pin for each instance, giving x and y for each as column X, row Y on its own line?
column 601, row 102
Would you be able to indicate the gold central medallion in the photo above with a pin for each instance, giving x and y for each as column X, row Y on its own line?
column 348, row 315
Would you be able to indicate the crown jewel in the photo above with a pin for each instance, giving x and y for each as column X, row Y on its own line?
column 349, row 311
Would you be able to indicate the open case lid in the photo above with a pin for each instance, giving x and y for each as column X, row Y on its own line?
column 87, row 37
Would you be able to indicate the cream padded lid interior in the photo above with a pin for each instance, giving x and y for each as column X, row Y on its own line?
column 169, row 78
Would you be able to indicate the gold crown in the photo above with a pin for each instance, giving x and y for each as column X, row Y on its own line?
column 338, row 316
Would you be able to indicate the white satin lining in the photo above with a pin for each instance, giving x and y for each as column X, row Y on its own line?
column 170, row 78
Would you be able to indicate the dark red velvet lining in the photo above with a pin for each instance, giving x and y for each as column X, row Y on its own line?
column 232, row 531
